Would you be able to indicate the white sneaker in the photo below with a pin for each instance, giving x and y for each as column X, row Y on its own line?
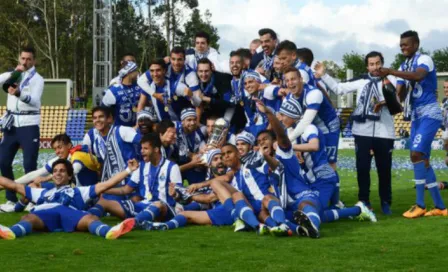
column 29, row 207
column 366, row 213
column 7, row 207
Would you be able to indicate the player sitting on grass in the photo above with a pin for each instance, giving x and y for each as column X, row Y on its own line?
column 217, row 216
column 249, row 194
column 151, row 182
column 61, row 208
column 318, row 172
column 86, row 168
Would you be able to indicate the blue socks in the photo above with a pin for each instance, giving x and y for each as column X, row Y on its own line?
column 228, row 204
column 336, row 214
column 20, row 206
column 178, row 221
column 148, row 214
column 270, row 222
column 419, row 179
column 334, row 200
column 276, row 211
column 99, row 228
column 246, row 213
column 96, row 210
column 22, row 228
column 433, row 188
column 312, row 214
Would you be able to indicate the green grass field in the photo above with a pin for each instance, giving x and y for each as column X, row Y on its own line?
column 392, row 244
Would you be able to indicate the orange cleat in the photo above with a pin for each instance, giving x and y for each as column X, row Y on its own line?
column 414, row 212
column 437, row 212
column 120, row 229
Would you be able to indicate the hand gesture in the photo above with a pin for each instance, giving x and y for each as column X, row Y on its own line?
column 166, row 59
column 20, row 68
column 384, row 72
column 133, row 164
column 319, row 70
column 172, row 190
column 196, row 160
column 13, row 90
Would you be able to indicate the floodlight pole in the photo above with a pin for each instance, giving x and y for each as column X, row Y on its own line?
column 102, row 47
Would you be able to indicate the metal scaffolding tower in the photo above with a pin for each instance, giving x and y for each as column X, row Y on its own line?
column 102, row 47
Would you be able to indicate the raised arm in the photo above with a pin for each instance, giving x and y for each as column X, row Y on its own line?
column 12, row 186
column 103, row 186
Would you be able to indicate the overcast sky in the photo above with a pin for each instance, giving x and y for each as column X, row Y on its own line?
column 331, row 27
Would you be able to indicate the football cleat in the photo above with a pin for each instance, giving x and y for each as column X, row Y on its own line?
column 262, row 229
column 365, row 214
column 6, row 233
column 437, row 212
column 307, row 227
column 240, row 226
column 282, row 230
column 414, row 212
column 7, row 207
column 340, row 205
column 159, row 226
column 120, row 229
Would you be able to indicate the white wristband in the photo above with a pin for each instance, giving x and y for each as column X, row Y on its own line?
column 128, row 170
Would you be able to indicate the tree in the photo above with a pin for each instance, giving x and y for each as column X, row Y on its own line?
column 334, row 70
column 196, row 24
column 355, row 62
column 440, row 58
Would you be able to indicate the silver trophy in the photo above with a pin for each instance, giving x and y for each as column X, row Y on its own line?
column 216, row 138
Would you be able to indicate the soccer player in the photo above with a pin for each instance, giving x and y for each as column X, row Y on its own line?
column 85, row 166
column 127, row 57
column 417, row 86
column 215, row 89
column 253, row 197
column 317, row 171
column 255, row 46
column 217, row 216
column 289, row 56
column 202, row 50
column 316, row 109
column 167, row 132
column 264, row 60
column 245, row 142
column 112, row 145
column 152, row 183
column 162, row 92
column 61, row 208
column 124, row 97
column 190, row 140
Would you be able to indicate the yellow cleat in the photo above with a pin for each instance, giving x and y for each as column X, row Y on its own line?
column 414, row 212
column 6, row 233
column 120, row 229
column 437, row 212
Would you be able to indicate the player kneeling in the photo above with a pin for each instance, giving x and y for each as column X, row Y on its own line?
column 61, row 208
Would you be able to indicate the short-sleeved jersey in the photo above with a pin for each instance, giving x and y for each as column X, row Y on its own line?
column 326, row 119
column 316, row 167
column 269, row 96
column 123, row 99
column 424, row 92
column 306, row 73
column 152, row 182
column 253, row 184
column 77, row 198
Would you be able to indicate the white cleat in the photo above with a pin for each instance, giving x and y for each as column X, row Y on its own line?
column 7, row 207
column 366, row 213
column 29, row 207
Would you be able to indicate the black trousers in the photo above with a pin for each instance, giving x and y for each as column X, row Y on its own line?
column 26, row 137
column 382, row 151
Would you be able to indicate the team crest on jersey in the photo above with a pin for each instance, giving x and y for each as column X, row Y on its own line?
column 246, row 174
column 162, row 177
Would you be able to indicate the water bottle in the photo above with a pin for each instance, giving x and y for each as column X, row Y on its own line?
column 12, row 81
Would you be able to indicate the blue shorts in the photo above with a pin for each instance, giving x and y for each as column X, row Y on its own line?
column 59, row 218
column 331, row 146
column 256, row 206
column 326, row 190
column 220, row 216
column 423, row 131
column 309, row 196
column 131, row 209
